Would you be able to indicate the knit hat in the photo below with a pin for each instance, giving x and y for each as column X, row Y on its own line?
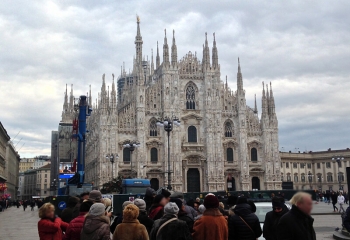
column 126, row 203
column 130, row 212
column 95, row 196
column 231, row 200
column 177, row 201
column 150, row 192
column 97, row 209
column 277, row 202
column 171, row 208
column 210, row 201
column 201, row 209
column 177, row 195
column 140, row 203
column 165, row 193
column 241, row 200
column 158, row 198
column 85, row 206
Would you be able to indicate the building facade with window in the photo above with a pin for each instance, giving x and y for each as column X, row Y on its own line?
column 323, row 170
column 222, row 143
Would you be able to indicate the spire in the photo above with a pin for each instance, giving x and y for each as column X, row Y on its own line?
column 226, row 85
column 268, row 99
column 152, row 64
column 90, row 97
column 264, row 103
column 272, row 101
column 239, row 78
column 65, row 104
column 165, row 51
column 113, row 96
column 206, row 55
column 71, row 99
column 157, row 57
column 173, row 51
column 255, row 106
column 138, row 42
column 215, row 57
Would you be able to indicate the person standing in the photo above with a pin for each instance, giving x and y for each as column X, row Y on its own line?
column 32, row 205
column 96, row 224
column 212, row 224
column 50, row 227
column 182, row 214
column 67, row 213
column 341, row 201
column 143, row 218
column 334, row 199
column 157, row 209
column 271, row 219
column 243, row 224
column 169, row 227
column 25, row 204
column 130, row 228
column 297, row 223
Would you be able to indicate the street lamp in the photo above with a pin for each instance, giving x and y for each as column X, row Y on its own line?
column 338, row 159
column 131, row 145
column 168, row 124
column 111, row 158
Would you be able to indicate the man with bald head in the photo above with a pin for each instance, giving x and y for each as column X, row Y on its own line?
column 297, row 223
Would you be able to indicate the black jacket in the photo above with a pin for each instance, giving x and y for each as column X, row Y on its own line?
column 184, row 217
column 270, row 225
column 146, row 221
column 295, row 225
column 175, row 230
column 334, row 198
column 238, row 230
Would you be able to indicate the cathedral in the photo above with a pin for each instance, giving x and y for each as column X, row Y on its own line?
column 220, row 144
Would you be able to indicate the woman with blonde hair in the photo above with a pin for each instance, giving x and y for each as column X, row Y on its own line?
column 50, row 227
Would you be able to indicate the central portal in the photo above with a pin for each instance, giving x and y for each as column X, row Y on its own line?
column 193, row 180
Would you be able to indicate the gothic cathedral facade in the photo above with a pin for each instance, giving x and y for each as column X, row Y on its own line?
column 221, row 143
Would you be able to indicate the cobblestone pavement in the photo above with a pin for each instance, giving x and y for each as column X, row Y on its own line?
column 15, row 224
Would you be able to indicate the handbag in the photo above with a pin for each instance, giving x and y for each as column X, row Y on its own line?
column 247, row 225
column 164, row 224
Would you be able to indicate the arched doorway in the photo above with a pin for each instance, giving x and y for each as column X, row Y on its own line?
column 193, row 180
column 255, row 183
column 155, row 183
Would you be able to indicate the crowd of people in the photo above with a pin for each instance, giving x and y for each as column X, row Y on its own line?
column 167, row 216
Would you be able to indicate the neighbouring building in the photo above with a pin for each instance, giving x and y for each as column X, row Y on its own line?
column 221, row 144
column 20, row 191
column 26, row 164
column 322, row 170
column 43, row 181
column 4, row 139
column 29, row 187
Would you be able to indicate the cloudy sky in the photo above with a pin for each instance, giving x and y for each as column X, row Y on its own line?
column 302, row 47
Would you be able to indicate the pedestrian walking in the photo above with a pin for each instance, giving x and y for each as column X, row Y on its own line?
column 271, row 219
column 143, row 217
column 32, row 205
column 212, row 224
column 96, row 224
column 243, row 224
column 130, row 228
column 50, row 227
column 297, row 223
column 25, row 204
column 341, row 201
column 334, row 199
column 76, row 225
column 169, row 227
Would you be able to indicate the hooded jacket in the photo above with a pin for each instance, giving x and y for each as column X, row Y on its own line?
column 95, row 228
column 51, row 230
column 271, row 221
column 175, row 230
column 212, row 225
column 296, row 225
column 75, row 227
column 238, row 229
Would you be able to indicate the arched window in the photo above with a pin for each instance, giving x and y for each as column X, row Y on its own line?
column 303, row 177
column 340, row 177
column 282, row 177
column 289, row 179
column 254, row 154
column 126, row 155
column 192, row 134
column 153, row 132
column 319, row 177
column 190, row 97
column 329, row 177
column 229, row 153
column 295, row 177
column 309, row 176
column 154, row 155
column 228, row 129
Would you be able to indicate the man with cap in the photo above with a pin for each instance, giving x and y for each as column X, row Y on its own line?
column 244, row 224
column 96, row 224
column 143, row 217
column 212, row 224
column 157, row 209
column 169, row 227
column 272, row 218
column 95, row 196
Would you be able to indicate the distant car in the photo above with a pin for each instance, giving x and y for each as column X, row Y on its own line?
column 261, row 209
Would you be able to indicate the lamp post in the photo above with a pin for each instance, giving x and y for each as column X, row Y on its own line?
column 309, row 175
column 111, row 158
column 338, row 159
column 168, row 124
column 131, row 145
